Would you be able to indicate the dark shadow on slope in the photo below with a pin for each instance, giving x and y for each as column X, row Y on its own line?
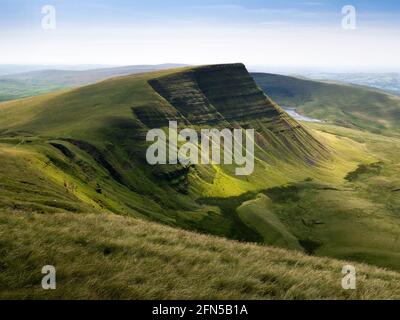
column 364, row 170
column 99, row 157
column 238, row 229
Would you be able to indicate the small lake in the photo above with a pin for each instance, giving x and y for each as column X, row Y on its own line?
column 292, row 112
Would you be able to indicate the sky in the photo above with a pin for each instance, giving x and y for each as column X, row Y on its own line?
column 291, row 34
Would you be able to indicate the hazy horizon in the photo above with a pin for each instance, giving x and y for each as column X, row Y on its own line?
column 287, row 35
column 8, row 69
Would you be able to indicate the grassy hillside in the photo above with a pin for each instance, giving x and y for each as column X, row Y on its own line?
column 322, row 190
column 345, row 105
column 27, row 84
column 100, row 256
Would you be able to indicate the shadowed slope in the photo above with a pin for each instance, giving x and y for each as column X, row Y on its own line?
column 226, row 95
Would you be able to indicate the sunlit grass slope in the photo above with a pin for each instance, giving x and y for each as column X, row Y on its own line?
column 101, row 256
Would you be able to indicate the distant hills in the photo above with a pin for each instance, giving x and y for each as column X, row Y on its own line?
column 389, row 82
column 9, row 69
column 26, row 84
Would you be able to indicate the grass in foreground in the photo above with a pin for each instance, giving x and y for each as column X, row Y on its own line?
column 100, row 256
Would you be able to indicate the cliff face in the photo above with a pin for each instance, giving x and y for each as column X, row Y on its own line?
column 182, row 91
column 233, row 92
column 215, row 93
column 226, row 95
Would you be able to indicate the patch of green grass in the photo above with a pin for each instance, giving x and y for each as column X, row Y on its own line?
column 256, row 214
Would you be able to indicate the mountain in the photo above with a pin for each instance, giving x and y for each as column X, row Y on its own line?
column 345, row 105
column 316, row 188
column 21, row 85
column 94, row 138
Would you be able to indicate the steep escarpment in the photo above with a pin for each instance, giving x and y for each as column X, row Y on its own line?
column 216, row 93
column 226, row 95
column 233, row 92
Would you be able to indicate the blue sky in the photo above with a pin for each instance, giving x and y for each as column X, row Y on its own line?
column 288, row 33
column 17, row 13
